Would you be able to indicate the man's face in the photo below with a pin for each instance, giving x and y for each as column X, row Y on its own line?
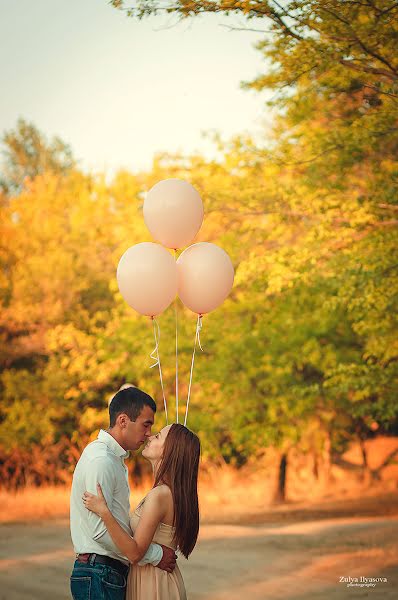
column 138, row 431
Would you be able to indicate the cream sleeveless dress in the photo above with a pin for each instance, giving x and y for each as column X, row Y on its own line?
column 149, row 582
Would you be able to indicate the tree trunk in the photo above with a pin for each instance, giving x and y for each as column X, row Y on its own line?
column 315, row 465
column 327, row 461
column 280, row 494
column 366, row 473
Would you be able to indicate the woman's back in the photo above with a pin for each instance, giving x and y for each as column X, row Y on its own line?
column 166, row 498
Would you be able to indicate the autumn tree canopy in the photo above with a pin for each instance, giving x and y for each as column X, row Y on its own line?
column 304, row 353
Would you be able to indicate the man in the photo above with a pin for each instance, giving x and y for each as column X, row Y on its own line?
column 100, row 570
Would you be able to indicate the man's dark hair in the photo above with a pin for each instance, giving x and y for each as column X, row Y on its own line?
column 129, row 401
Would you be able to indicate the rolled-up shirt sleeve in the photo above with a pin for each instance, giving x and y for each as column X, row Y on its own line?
column 153, row 555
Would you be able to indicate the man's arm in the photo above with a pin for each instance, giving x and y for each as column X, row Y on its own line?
column 153, row 555
column 101, row 471
column 167, row 560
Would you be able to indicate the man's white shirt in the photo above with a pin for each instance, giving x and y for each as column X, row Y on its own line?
column 102, row 461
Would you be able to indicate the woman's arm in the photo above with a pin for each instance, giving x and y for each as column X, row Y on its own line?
column 133, row 548
column 153, row 512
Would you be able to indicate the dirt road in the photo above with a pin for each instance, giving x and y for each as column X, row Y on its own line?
column 294, row 561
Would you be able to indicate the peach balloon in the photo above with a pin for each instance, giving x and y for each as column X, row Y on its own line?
column 205, row 277
column 173, row 212
column 147, row 278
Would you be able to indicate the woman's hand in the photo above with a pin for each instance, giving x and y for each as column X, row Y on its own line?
column 96, row 504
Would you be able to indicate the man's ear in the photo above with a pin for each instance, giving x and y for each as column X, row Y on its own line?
column 122, row 420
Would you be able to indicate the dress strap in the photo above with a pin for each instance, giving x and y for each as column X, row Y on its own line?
column 141, row 503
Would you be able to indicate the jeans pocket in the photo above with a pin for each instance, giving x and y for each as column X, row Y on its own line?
column 114, row 585
column 80, row 587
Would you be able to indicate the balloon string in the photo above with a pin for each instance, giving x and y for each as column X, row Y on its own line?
column 176, row 314
column 197, row 339
column 176, row 360
column 156, row 357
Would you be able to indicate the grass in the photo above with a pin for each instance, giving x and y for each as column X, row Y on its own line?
column 224, row 493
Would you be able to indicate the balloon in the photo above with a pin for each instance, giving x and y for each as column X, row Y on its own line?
column 205, row 277
column 147, row 278
column 173, row 212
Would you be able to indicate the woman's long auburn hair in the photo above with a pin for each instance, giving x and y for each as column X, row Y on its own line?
column 178, row 469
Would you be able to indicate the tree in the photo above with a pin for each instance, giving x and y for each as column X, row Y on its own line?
column 304, row 353
column 27, row 153
column 328, row 221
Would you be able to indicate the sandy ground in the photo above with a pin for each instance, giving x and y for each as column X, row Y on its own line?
column 295, row 556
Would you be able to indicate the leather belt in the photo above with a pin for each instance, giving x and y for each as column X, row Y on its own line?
column 99, row 559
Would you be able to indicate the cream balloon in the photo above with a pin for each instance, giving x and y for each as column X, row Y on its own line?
column 147, row 278
column 205, row 277
column 173, row 212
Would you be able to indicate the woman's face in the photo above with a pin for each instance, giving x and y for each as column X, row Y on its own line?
column 154, row 446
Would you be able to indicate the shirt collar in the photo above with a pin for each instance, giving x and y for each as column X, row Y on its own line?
column 112, row 444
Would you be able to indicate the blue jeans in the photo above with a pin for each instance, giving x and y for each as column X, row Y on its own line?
column 97, row 582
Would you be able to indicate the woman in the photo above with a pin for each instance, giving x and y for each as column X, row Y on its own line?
column 168, row 515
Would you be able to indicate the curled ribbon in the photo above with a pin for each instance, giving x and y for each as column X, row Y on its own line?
column 199, row 329
column 155, row 352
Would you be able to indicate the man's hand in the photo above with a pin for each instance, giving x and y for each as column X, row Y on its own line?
column 168, row 561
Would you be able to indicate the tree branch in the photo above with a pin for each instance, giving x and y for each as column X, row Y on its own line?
column 351, row 65
column 369, row 51
column 314, row 158
column 230, row 28
column 388, row 206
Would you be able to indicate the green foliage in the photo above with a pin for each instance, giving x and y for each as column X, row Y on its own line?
column 305, row 351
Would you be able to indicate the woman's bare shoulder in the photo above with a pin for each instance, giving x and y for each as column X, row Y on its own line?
column 161, row 491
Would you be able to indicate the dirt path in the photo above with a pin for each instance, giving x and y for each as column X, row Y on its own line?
column 294, row 561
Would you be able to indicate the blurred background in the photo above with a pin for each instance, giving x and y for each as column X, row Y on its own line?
column 284, row 117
